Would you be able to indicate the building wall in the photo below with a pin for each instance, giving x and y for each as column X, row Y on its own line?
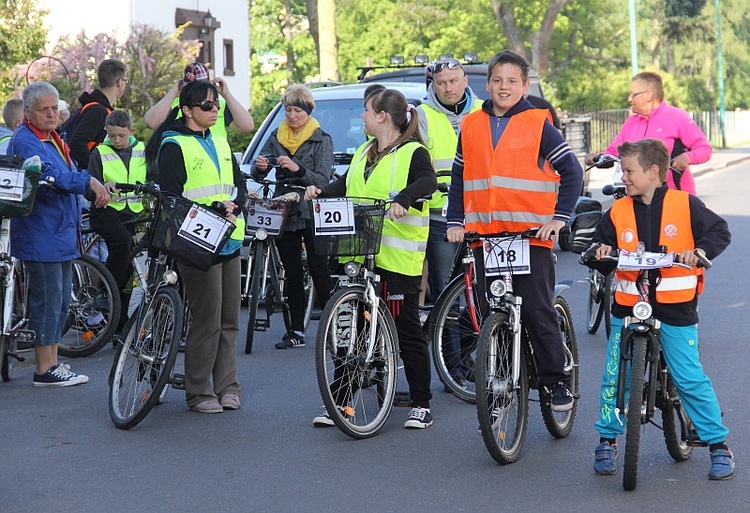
column 114, row 17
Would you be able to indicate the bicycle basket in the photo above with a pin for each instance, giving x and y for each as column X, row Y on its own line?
column 268, row 214
column 17, row 187
column 368, row 228
column 190, row 233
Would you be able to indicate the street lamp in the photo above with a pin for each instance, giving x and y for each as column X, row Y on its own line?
column 208, row 21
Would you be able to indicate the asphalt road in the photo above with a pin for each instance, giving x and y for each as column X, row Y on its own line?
column 60, row 452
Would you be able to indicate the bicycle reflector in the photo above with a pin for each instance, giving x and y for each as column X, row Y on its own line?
column 497, row 288
column 642, row 310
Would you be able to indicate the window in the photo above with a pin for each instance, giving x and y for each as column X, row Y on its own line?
column 228, row 57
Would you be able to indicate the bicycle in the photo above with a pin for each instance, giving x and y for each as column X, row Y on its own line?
column 264, row 279
column 506, row 368
column 146, row 353
column 356, row 353
column 642, row 364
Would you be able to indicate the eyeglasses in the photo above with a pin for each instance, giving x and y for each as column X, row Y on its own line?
column 207, row 105
column 125, row 80
column 437, row 66
column 633, row 95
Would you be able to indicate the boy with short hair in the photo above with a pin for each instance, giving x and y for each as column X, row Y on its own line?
column 514, row 171
column 12, row 117
column 655, row 215
column 120, row 158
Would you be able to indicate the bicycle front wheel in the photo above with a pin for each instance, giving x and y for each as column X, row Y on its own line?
column 676, row 424
column 502, row 405
column 9, row 344
column 256, row 268
column 144, row 359
column 594, row 308
column 609, row 298
column 358, row 393
column 453, row 331
column 94, row 309
column 633, row 418
column 559, row 424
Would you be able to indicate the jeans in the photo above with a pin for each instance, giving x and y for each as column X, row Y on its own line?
column 440, row 257
column 50, row 285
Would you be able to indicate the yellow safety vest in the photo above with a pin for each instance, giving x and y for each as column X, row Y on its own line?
column 402, row 248
column 441, row 142
column 113, row 170
column 220, row 128
column 202, row 185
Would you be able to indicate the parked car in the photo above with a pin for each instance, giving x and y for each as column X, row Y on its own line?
column 477, row 74
column 338, row 109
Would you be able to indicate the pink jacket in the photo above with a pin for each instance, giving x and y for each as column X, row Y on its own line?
column 667, row 123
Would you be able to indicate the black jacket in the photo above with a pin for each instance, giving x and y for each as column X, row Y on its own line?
column 90, row 127
column 711, row 234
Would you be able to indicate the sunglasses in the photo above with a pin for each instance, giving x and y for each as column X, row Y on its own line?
column 438, row 66
column 207, row 105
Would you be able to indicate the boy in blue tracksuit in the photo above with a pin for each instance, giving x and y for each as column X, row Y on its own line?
column 656, row 216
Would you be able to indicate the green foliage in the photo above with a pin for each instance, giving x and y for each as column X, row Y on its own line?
column 22, row 37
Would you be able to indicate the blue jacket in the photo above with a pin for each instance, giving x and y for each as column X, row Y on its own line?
column 50, row 233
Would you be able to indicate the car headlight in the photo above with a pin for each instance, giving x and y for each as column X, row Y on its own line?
column 642, row 310
column 498, row 288
column 351, row 269
column 261, row 234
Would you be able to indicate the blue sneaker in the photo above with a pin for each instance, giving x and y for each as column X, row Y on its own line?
column 605, row 459
column 722, row 465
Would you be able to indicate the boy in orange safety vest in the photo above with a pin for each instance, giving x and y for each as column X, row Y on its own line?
column 657, row 216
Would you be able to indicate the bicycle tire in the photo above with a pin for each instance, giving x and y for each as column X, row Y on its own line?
column 310, row 297
column 502, row 407
column 9, row 344
column 595, row 306
column 145, row 358
column 7, row 363
column 675, row 422
column 94, row 310
column 358, row 396
column 608, row 300
column 560, row 424
column 633, row 417
column 450, row 322
column 258, row 262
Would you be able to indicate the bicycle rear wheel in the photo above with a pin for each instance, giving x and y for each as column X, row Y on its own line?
column 560, row 424
column 9, row 344
column 502, row 406
column 676, row 423
column 594, row 308
column 94, row 309
column 453, row 336
column 256, row 268
column 357, row 394
column 633, row 418
column 144, row 359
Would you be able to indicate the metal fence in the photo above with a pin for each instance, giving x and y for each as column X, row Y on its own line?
column 605, row 124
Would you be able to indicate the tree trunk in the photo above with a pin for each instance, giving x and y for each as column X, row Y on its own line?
column 657, row 34
column 312, row 19
column 505, row 16
column 327, row 48
column 288, row 36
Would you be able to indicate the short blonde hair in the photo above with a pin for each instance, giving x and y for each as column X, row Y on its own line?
column 298, row 95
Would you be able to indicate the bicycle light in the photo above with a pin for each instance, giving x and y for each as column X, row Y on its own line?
column 261, row 234
column 642, row 310
column 170, row 277
column 497, row 288
column 351, row 269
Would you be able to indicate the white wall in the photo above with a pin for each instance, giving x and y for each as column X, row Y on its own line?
column 115, row 16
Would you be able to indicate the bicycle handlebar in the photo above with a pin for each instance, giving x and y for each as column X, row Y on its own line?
column 476, row 237
column 590, row 255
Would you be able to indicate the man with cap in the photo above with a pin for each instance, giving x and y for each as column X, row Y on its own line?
column 230, row 110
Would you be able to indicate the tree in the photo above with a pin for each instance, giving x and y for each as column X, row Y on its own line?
column 22, row 38
column 327, row 48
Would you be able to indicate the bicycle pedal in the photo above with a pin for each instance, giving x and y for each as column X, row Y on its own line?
column 178, row 381
column 25, row 339
column 402, row 399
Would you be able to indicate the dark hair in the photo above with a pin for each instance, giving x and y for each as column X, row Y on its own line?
column 191, row 95
column 119, row 118
column 109, row 72
column 374, row 88
column 649, row 152
column 653, row 82
column 508, row 57
column 394, row 103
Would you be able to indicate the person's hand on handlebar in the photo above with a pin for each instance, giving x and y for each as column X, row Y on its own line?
column 455, row 234
column 396, row 211
column 311, row 192
column 111, row 187
column 591, row 158
column 102, row 195
column 262, row 163
column 231, row 207
column 689, row 257
column 550, row 229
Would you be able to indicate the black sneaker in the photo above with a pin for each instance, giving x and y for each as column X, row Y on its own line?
column 419, row 418
column 560, row 398
column 59, row 375
column 291, row 339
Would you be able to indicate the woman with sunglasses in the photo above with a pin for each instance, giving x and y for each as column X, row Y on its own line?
column 303, row 152
column 202, row 168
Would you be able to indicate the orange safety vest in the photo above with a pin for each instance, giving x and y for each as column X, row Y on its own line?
column 677, row 285
column 504, row 189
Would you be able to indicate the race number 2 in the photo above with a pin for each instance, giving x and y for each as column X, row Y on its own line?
column 333, row 216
